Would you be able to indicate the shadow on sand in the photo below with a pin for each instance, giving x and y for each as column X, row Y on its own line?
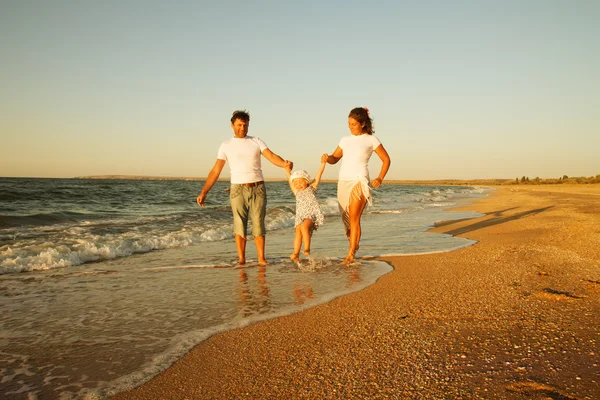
column 499, row 217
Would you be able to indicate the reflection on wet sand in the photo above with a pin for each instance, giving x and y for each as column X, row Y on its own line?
column 303, row 292
column 354, row 276
column 254, row 300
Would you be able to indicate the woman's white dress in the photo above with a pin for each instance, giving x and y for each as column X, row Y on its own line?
column 354, row 173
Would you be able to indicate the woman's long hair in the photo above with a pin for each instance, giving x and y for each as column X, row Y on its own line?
column 361, row 115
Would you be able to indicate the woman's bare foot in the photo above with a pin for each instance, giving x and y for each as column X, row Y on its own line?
column 294, row 257
column 263, row 263
column 349, row 258
column 241, row 261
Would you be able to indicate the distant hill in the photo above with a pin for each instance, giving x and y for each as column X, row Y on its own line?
column 144, row 178
column 450, row 182
column 158, row 178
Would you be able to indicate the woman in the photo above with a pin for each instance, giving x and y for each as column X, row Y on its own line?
column 353, row 184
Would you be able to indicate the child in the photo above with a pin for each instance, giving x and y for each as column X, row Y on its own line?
column 308, row 213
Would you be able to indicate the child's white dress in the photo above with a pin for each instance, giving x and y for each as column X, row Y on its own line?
column 307, row 207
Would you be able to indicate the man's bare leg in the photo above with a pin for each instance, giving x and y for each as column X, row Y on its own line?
column 240, row 244
column 259, row 241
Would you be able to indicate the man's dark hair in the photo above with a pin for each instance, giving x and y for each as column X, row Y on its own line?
column 240, row 114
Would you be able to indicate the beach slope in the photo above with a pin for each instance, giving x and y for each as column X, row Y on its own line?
column 514, row 316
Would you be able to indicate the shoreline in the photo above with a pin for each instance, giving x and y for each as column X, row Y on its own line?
column 512, row 315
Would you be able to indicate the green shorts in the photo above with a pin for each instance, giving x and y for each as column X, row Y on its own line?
column 248, row 201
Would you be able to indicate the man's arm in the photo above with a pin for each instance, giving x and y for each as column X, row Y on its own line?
column 276, row 160
column 213, row 175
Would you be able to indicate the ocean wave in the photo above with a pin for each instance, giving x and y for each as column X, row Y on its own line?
column 116, row 228
column 57, row 217
column 441, row 195
column 61, row 255
column 67, row 246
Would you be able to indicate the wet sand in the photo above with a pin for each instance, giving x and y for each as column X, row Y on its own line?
column 515, row 316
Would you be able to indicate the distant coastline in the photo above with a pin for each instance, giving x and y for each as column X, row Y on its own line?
column 433, row 182
column 145, row 177
column 160, row 178
column 413, row 182
column 438, row 182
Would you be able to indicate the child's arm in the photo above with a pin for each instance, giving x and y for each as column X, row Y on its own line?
column 315, row 183
column 288, row 173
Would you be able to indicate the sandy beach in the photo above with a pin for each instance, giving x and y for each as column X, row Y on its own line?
column 514, row 316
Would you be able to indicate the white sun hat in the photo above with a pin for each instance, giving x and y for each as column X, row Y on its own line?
column 300, row 174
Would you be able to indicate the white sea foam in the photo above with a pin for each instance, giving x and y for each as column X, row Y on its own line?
column 440, row 204
column 94, row 248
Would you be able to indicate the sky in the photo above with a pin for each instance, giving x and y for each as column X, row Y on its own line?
column 456, row 89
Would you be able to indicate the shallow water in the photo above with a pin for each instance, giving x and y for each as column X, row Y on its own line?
column 76, row 327
column 67, row 331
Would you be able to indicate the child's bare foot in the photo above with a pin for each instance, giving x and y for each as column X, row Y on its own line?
column 294, row 257
column 307, row 253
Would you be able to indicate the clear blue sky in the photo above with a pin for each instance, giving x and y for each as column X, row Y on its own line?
column 457, row 89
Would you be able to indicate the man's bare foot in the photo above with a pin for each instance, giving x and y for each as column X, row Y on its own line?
column 294, row 257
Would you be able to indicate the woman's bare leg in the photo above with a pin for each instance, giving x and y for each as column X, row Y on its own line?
column 355, row 210
column 306, row 229
column 297, row 243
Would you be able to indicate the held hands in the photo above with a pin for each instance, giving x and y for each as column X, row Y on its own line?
column 288, row 165
column 200, row 199
column 376, row 183
column 324, row 158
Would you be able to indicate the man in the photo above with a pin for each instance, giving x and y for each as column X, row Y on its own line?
column 247, row 195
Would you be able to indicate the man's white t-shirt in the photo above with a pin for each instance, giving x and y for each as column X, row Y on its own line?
column 357, row 152
column 244, row 158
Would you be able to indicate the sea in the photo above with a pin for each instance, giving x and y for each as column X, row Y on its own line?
column 105, row 283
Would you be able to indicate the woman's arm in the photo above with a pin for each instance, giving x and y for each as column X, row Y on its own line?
column 385, row 158
column 315, row 183
column 337, row 154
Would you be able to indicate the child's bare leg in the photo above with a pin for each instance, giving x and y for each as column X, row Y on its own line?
column 297, row 244
column 307, row 227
